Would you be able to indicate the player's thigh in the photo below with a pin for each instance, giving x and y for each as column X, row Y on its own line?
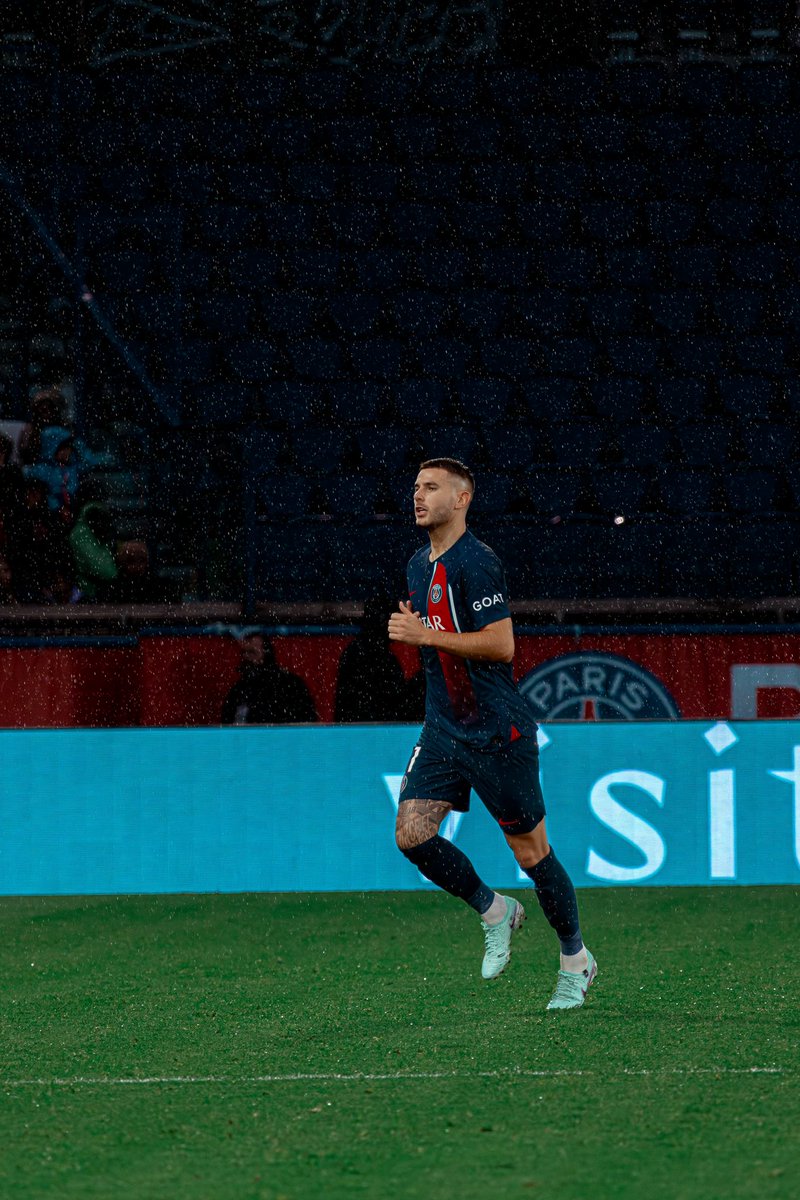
column 509, row 786
column 430, row 789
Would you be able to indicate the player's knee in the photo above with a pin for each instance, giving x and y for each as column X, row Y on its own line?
column 409, row 835
column 529, row 848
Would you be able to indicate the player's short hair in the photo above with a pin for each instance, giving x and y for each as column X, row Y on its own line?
column 454, row 467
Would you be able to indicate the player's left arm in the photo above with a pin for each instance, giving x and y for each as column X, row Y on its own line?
column 493, row 643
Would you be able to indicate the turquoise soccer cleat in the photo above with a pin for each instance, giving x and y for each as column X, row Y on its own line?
column 571, row 987
column 498, row 939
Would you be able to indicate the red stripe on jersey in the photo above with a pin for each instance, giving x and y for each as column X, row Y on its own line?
column 456, row 675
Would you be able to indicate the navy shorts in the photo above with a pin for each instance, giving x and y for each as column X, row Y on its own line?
column 506, row 779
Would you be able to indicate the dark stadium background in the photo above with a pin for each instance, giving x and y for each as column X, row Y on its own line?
column 275, row 254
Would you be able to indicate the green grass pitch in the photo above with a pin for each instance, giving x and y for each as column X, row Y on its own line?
column 253, row 1047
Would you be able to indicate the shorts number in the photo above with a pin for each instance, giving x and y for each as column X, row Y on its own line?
column 413, row 759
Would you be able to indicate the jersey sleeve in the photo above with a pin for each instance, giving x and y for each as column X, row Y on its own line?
column 484, row 591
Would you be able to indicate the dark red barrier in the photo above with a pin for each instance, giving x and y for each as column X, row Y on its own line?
column 183, row 680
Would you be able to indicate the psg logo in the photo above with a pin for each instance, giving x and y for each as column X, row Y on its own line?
column 592, row 685
column 436, row 593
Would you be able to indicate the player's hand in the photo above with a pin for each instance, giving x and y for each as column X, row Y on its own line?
column 406, row 626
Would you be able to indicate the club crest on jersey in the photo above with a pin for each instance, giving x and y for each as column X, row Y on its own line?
column 592, row 685
column 436, row 593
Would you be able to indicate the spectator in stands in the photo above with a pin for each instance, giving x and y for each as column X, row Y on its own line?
column 58, row 468
column 265, row 694
column 12, row 488
column 37, row 550
column 371, row 685
column 48, row 408
column 91, row 543
column 134, row 583
column 7, row 594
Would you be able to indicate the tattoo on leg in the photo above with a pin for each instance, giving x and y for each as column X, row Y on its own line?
column 419, row 820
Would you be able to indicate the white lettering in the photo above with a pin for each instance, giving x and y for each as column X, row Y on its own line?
column 722, row 824
column 630, row 827
column 487, row 601
column 793, row 777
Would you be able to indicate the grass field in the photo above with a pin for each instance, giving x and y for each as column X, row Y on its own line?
column 258, row 1046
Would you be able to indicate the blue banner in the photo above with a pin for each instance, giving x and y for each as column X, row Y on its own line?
column 312, row 808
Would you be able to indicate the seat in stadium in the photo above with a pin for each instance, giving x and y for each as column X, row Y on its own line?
column 758, row 263
column 735, row 220
column 551, row 398
column 677, row 399
column 218, row 404
column 250, row 183
column 320, row 451
column 704, row 443
column 381, row 269
column 566, row 178
column 620, row 490
column 480, row 310
column 544, row 220
column 228, row 314
column 281, row 493
column 515, row 90
column 263, row 449
column 384, row 449
column 443, row 268
column 671, row 221
column 418, row 311
column 547, row 310
column 252, row 360
column 638, row 87
column 580, row 442
column 542, row 135
column 570, row 355
column 323, row 90
column 452, row 441
column 609, row 221
column 786, row 215
column 574, row 87
column 350, row 139
column 513, row 448
column 444, row 357
column 290, row 313
column 493, row 494
column 266, row 91
column 483, row 401
column 383, row 90
column 695, row 265
column 417, row 136
column 704, row 87
column 448, row 90
column 695, row 354
column 767, row 354
column 354, row 224
column 749, row 397
column 768, row 443
column 618, row 399
column 765, row 85
column 687, row 178
column 729, row 134
column 351, row 493
column 570, row 266
column 355, row 313
column 416, row 223
column 320, row 267
column 510, row 357
column 497, row 177
column 667, row 134
column 634, row 355
column 753, row 490
column 551, row 491
column 315, row 358
column 605, row 133
column 353, row 403
column 687, row 490
column 368, row 557
column 676, row 311
column 371, row 180
column 740, row 309
column 567, row 560
column 614, row 312
column 694, row 557
column 781, row 133
column 763, row 559
column 419, row 402
column 632, row 266
column 290, row 560
column 747, row 178
column 436, row 179
column 476, row 137
column 506, row 267
column 289, row 402
column 627, row 179
column 645, row 444
column 254, row 266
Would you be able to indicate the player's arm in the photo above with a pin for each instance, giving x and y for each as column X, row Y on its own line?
column 493, row 643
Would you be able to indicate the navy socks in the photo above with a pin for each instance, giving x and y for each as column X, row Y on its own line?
column 446, row 866
column 556, row 895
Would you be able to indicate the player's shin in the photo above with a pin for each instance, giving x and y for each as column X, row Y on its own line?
column 450, row 869
column 556, row 895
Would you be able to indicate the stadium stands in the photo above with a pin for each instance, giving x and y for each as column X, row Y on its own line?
column 583, row 281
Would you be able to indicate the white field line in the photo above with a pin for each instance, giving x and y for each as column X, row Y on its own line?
column 394, row 1076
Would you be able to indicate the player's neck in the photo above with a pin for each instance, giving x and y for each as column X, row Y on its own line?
column 443, row 538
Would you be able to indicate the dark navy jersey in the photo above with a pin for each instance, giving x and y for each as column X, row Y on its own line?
column 463, row 591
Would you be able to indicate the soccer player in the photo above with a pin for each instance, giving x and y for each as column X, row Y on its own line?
column 479, row 731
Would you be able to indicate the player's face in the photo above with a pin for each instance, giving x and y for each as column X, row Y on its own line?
column 436, row 497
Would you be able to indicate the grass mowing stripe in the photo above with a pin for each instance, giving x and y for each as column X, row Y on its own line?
column 397, row 1076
